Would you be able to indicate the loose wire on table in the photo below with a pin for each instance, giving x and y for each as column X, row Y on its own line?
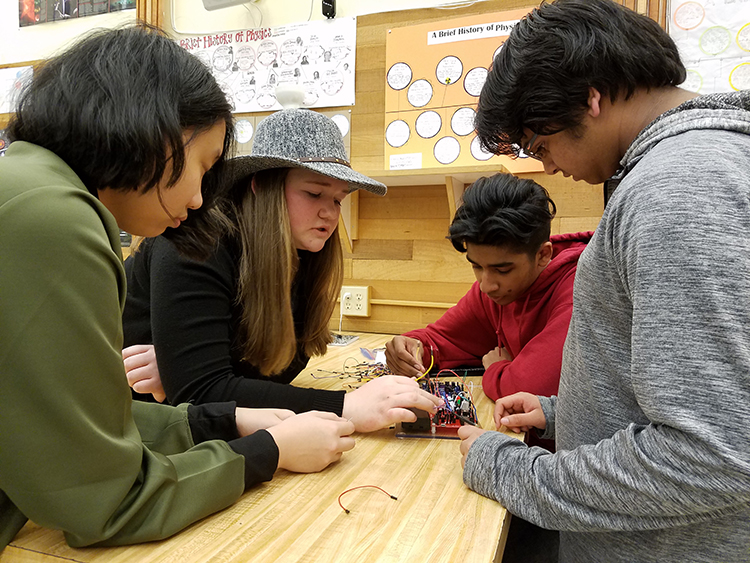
column 362, row 487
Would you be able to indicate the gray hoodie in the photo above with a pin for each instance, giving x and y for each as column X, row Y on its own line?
column 652, row 420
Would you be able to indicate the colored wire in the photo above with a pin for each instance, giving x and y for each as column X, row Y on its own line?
column 432, row 363
column 362, row 487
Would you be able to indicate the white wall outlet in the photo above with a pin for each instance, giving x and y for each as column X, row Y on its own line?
column 355, row 300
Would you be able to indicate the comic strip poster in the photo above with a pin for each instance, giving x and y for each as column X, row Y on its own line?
column 713, row 37
column 435, row 73
column 32, row 12
column 250, row 64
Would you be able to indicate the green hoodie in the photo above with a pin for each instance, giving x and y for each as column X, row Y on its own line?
column 76, row 453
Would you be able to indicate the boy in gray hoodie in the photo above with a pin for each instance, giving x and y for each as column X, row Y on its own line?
column 652, row 419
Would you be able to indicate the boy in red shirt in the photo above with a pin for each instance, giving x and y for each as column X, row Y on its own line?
column 515, row 318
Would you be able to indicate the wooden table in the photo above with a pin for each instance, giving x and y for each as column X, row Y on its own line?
column 296, row 517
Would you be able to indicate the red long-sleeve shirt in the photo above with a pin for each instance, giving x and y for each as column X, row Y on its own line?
column 532, row 328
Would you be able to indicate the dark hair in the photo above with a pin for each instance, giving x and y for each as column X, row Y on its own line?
column 540, row 79
column 505, row 211
column 116, row 105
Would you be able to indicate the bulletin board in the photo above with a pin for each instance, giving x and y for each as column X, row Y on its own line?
column 713, row 37
column 434, row 75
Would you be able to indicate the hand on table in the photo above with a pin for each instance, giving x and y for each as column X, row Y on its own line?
column 385, row 401
column 142, row 371
column 519, row 412
column 311, row 441
column 404, row 356
column 468, row 434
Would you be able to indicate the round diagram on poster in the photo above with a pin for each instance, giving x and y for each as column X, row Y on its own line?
column 462, row 121
column 245, row 95
column 447, row 150
column 340, row 49
column 222, row 58
column 291, row 51
column 245, row 58
column 332, row 82
column 267, row 52
column 474, row 81
column 739, row 78
column 311, row 93
column 266, row 97
column 204, row 57
column 243, row 131
column 342, row 123
column 419, row 93
column 428, row 124
column 743, row 37
column 477, row 150
column 693, row 81
column 689, row 15
column 397, row 133
column 399, row 76
column 715, row 40
column 449, row 70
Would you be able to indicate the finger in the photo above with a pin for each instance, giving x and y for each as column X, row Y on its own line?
column 516, row 421
column 135, row 350
column 420, row 399
column 145, row 387
column 465, row 432
column 346, row 428
column 136, row 375
column 346, row 444
column 159, row 396
column 322, row 414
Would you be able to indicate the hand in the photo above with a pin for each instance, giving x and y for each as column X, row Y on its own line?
column 495, row 356
column 311, row 441
column 520, row 412
column 404, row 356
column 142, row 371
column 252, row 420
column 505, row 355
column 385, row 401
column 468, row 434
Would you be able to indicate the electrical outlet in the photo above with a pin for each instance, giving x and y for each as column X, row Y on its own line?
column 355, row 300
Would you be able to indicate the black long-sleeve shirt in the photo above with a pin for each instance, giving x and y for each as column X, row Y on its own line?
column 188, row 311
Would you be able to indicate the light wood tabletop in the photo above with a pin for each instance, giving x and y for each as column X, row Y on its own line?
column 297, row 518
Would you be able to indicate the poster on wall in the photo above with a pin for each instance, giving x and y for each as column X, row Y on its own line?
column 32, row 12
column 11, row 82
column 713, row 37
column 435, row 73
column 250, row 64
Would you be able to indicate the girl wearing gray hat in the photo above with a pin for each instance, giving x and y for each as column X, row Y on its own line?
column 242, row 324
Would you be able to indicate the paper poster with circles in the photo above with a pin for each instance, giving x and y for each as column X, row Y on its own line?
column 249, row 64
column 713, row 37
column 246, row 125
column 434, row 76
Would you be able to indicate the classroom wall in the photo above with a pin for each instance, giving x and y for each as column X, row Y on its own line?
column 400, row 248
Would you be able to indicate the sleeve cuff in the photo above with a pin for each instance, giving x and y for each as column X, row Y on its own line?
column 261, row 456
column 548, row 408
column 328, row 401
column 213, row 421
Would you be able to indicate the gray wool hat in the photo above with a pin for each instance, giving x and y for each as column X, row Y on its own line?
column 301, row 138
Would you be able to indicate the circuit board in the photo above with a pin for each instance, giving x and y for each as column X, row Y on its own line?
column 459, row 409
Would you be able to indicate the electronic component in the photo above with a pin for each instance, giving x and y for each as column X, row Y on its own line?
column 458, row 410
